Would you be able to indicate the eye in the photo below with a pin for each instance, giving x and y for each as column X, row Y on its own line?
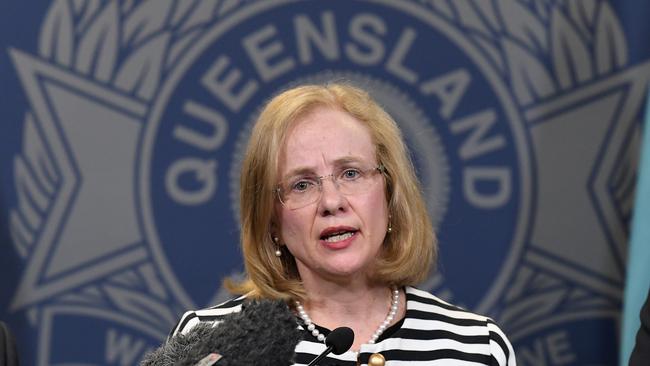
column 351, row 174
column 302, row 185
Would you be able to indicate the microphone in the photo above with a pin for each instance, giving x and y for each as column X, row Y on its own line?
column 264, row 332
column 338, row 341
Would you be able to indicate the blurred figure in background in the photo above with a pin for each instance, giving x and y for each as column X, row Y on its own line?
column 8, row 353
column 641, row 352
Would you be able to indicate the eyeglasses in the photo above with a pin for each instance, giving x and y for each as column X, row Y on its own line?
column 301, row 191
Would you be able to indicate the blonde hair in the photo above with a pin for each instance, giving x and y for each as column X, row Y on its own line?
column 407, row 252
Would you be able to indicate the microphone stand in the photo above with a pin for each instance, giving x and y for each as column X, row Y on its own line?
column 321, row 356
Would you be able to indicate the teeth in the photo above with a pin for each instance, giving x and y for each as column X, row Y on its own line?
column 338, row 237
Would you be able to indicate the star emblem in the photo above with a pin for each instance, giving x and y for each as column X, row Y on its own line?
column 573, row 268
column 82, row 123
column 577, row 142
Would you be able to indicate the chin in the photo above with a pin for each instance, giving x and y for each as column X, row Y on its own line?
column 345, row 269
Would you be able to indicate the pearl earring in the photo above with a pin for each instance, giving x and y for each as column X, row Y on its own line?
column 276, row 240
column 390, row 227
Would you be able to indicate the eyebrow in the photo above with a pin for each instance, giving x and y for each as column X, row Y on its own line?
column 337, row 163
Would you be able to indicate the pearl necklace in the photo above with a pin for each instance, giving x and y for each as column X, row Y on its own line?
column 394, row 305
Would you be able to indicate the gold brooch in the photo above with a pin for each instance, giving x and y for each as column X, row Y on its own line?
column 376, row 359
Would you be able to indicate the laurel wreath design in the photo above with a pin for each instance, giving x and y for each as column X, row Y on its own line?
column 110, row 42
column 585, row 41
column 114, row 42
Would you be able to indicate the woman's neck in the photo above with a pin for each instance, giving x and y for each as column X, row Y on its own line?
column 346, row 292
column 362, row 307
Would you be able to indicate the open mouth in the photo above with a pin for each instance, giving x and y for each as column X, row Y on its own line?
column 338, row 236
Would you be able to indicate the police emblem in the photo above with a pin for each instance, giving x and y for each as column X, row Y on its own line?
column 127, row 182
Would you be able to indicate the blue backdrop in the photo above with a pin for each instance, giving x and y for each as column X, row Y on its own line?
column 123, row 127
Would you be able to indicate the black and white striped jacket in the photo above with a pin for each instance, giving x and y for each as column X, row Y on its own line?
column 432, row 332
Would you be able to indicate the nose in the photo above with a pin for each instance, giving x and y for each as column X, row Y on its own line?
column 331, row 199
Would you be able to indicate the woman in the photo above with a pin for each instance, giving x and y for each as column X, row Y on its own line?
column 333, row 223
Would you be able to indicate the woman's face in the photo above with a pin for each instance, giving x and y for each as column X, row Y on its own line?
column 339, row 235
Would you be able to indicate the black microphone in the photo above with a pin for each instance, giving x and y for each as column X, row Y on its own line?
column 264, row 332
column 338, row 341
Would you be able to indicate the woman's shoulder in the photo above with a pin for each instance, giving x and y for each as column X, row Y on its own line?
column 425, row 301
column 212, row 314
column 426, row 312
column 425, row 306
